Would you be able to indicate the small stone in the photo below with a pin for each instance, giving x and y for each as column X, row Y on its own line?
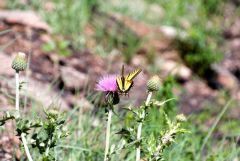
column 25, row 18
column 173, row 68
column 5, row 61
column 226, row 78
column 8, row 156
column 139, row 60
column 171, row 32
column 73, row 79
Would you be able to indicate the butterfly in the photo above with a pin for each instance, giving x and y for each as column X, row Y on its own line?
column 125, row 82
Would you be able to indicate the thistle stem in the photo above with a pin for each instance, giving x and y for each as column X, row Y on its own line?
column 17, row 93
column 17, row 109
column 108, row 134
column 139, row 130
column 26, row 147
column 148, row 98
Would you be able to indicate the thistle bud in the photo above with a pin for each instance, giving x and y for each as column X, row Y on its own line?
column 154, row 83
column 19, row 62
column 181, row 118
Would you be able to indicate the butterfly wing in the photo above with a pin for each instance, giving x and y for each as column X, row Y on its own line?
column 128, row 83
column 121, row 80
column 120, row 83
column 125, row 83
column 133, row 74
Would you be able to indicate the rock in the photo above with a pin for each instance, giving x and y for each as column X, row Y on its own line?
column 173, row 68
column 195, row 96
column 26, row 18
column 171, row 32
column 171, row 55
column 234, row 30
column 43, row 94
column 6, row 62
column 72, row 78
column 235, row 44
column 139, row 60
column 226, row 78
column 7, row 156
column 2, row 4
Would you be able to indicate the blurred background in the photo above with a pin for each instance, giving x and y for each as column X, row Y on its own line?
column 193, row 45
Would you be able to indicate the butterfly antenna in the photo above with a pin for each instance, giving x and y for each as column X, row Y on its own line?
column 122, row 70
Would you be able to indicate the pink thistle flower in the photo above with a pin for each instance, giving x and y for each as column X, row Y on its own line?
column 107, row 84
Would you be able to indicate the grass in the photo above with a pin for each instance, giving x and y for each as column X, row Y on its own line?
column 86, row 139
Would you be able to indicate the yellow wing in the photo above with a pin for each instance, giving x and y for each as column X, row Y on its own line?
column 120, row 83
column 127, row 85
column 132, row 75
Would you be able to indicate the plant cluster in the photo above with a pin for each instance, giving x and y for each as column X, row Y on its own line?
column 43, row 133
column 150, row 148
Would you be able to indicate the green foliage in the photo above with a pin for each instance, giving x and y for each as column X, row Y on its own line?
column 86, row 139
column 160, row 138
column 45, row 133
column 59, row 46
column 199, row 46
column 8, row 115
column 67, row 17
column 51, row 132
column 198, row 51
column 165, row 93
column 70, row 16
column 32, row 4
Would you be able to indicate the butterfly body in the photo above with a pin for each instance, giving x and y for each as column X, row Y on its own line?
column 125, row 82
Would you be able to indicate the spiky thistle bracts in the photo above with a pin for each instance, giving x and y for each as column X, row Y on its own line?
column 154, row 83
column 19, row 62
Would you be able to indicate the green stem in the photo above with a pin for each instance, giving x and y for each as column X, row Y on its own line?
column 26, row 147
column 17, row 93
column 48, row 144
column 108, row 131
column 17, row 109
column 139, row 130
column 125, row 146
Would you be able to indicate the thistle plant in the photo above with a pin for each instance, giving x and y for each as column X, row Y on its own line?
column 152, row 85
column 52, row 130
column 151, row 146
column 108, row 86
column 46, row 131
column 167, row 137
column 19, row 64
